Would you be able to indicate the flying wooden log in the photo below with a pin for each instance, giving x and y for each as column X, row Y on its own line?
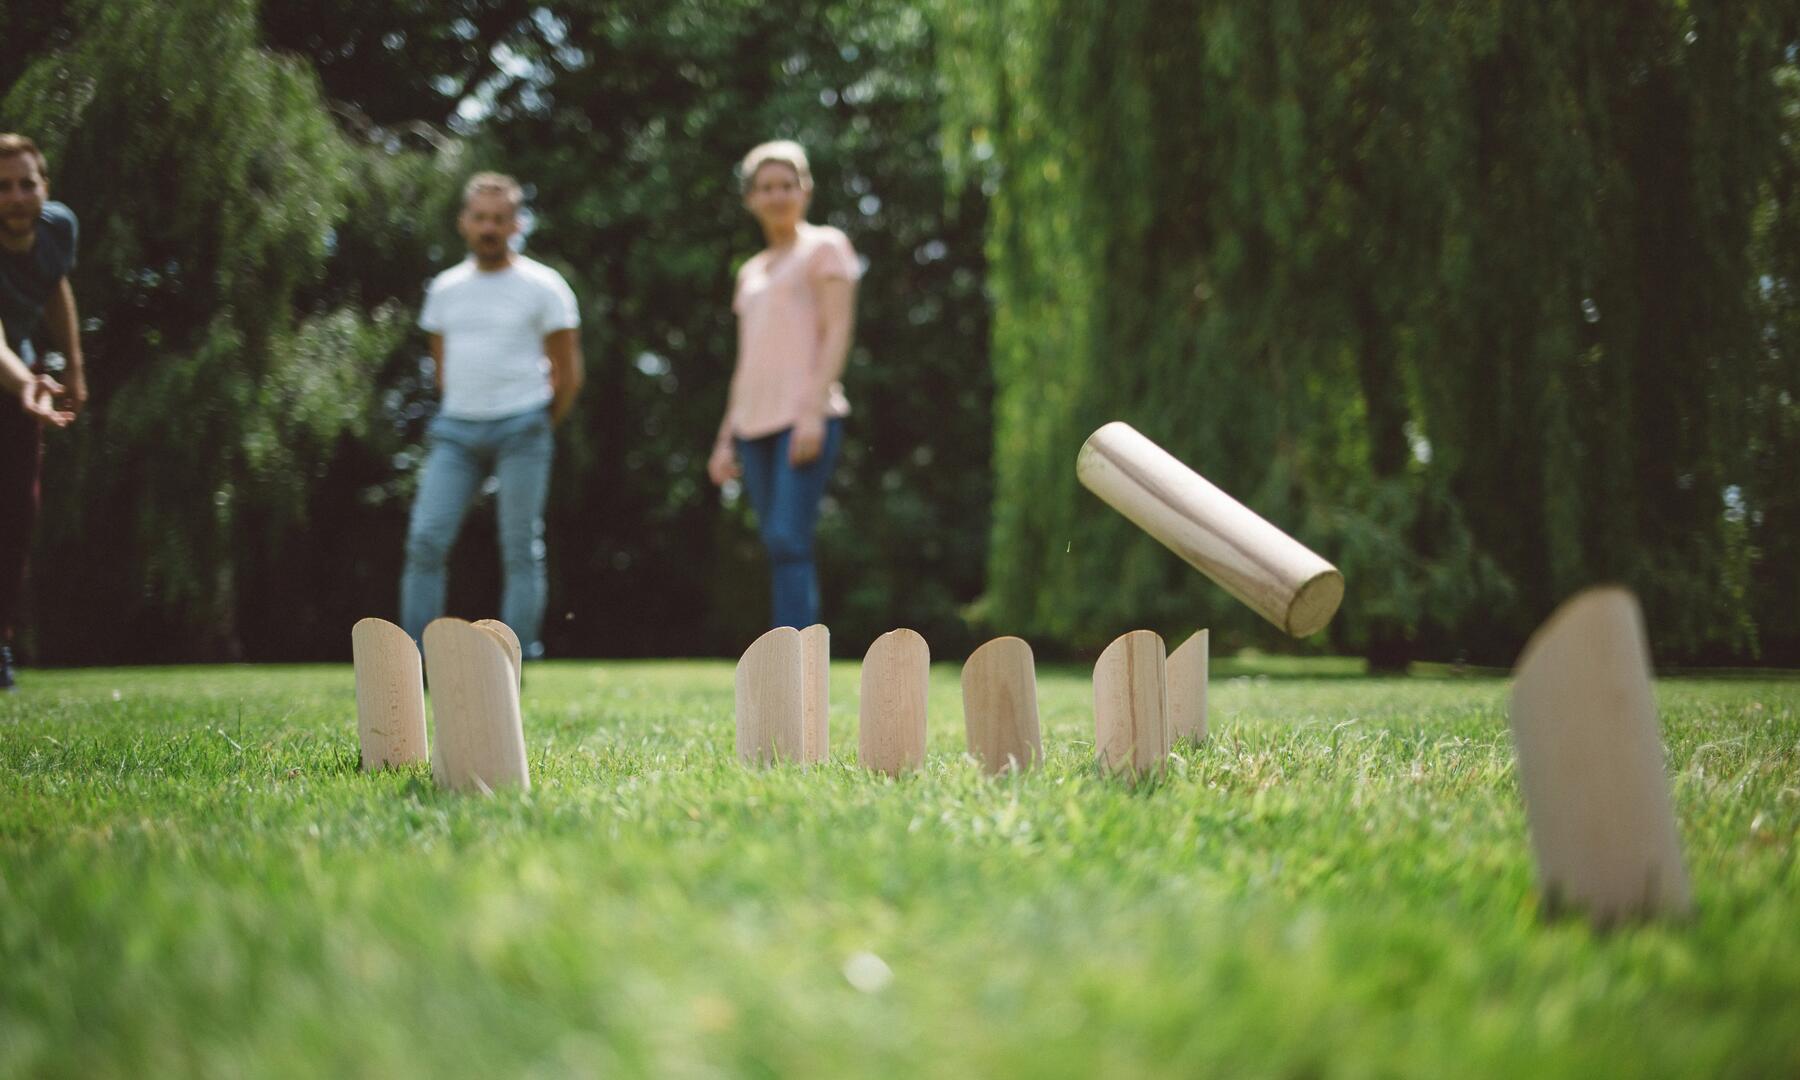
column 1276, row 575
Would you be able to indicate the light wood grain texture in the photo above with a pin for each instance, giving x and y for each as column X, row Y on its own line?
column 1186, row 673
column 1276, row 575
column 1131, row 705
column 896, row 673
column 1591, row 764
column 771, row 699
column 815, row 694
column 390, row 695
column 510, row 640
column 480, row 743
column 1000, row 712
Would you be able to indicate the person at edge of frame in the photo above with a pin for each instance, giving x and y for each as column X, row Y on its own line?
column 37, row 252
column 795, row 303
column 503, row 331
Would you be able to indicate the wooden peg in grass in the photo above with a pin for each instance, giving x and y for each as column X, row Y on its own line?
column 896, row 675
column 1187, row 676
column 1000, row 713
column 510, row 641
column 480, row 740
column 815, row 694
column 1591, row 765
column 1131, row 705
column 771, row 698
column 390, row 695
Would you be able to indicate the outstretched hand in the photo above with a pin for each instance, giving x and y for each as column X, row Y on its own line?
column 807, row 440
column 39, row 399
column 723, row 465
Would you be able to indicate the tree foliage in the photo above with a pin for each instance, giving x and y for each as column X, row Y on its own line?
column 209, row 194
column 1465, row 298
column 1484, row 303
column 243, row 485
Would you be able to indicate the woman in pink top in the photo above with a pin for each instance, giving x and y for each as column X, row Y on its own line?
column 795, row 302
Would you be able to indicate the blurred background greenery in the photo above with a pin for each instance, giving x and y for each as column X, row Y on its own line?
column 1485, row 302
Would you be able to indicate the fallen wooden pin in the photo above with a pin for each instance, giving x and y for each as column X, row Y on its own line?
column 1591, row 764
column 896, row 675
column 1000, row 712
column 1276, row 575
column 784, row 697
column 1187, row 675
column 390, row 695
column 480, row 740
column 1131, row 705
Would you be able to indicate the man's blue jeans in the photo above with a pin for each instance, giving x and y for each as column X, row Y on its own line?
column 786, row 501
column 462, row 454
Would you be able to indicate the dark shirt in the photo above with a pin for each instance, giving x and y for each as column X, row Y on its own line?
column 28, row 278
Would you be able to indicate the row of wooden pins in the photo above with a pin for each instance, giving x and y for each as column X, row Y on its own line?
column 1144, row 701
column 1583, row 714
column 475, row 671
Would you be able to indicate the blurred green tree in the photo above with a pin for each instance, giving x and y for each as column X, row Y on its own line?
column 274, row 524
column 1484, row 304
column 1767, row 508
column 211, row 195
column 1461, row 297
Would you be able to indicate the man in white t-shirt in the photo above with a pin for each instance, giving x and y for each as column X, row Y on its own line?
column 504, row 338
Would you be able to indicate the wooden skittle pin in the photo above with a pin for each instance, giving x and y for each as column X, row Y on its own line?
column 770, row 699
column 1131, row 705
column 1591, row 763
column 1187, row 675
column 514, row 653
column 390, row 695
column 815, row 694
column 480, row 744
column 1000, row 713
column 896, row 675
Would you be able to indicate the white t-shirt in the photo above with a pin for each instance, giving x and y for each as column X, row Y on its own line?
column 493, row 324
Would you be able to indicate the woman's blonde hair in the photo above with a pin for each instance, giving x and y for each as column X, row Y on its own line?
column 784, row 151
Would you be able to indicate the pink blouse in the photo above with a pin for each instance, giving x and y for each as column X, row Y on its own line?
column 780, row 327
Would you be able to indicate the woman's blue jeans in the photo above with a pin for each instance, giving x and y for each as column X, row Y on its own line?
column 786, row 500
column 516, row 450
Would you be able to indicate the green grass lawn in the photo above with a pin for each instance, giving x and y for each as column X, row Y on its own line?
column 195, row 880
